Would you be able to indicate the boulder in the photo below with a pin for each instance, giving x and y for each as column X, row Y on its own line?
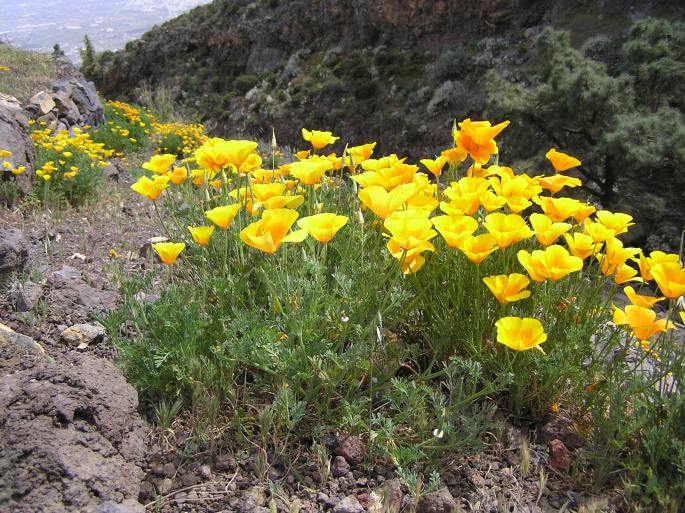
column 14, row 253
column 83, row 334
column 71, row 436
column 42, row 102
column 14, row 137
column 27, row 296
column 437, row 502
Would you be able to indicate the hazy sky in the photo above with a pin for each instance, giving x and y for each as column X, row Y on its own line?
column 39, row 24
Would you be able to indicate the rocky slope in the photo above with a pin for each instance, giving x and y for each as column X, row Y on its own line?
column 396, row 72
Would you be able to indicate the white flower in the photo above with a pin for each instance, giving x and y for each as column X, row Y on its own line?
column 438, row 433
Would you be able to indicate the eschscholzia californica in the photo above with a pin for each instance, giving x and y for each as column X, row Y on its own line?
column 222, row 216
column 554, row 262
column 597, row 231
column 318, row 139
column 217, row 153
column 625, row 273
column 477, row 138
column 520, row 334
column 160, row 164
column 309, row 172
column 435, row 165
column 558, row 209
column 561, row 161
column 151, row 189
column 178, row 175
column 168, row 251
column 477, row 248
column 454, row 229
column 271, row 231
column 454, row 155
column 615, row 255
column 546, row 230
column 409, row 236
column 361, row 153
column 557, row 182
column 507, row 229
column 642, row 321
column 581, row 245
column 645, row 263
column 384, row 203
column 670, row 277
column 508, row 288
column 323, row 227
column 201, row 234
column 617, row 222
column 641, row 299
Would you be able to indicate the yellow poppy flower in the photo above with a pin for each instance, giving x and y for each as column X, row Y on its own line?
column 409, row 236
column 455, row 229
column 160, row 164
column 547, row 231
column 617, row 222
column 477, row 138
column 178, row 175
column 217, row 153
column 435, row 166
column 309, row 172
column 168, row 251
column 642, row 321
column 151, row 189
column 201, row 234
column 508, row 288
column 271, row 231
column 318, row 139
column 507, row 229
column 477, row 248
column 561, row 161
column 670, row 277
column 557, row 182
column 361, row 153
column 520, row 334
column 641, row 299
column 223, row 216
column 323, row 227
column 554, row 262
column 581, row 245
column 384, row 203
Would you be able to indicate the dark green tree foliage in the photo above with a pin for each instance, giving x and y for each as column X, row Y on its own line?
column 57, row 50
column 629, row 132
column 87, row 57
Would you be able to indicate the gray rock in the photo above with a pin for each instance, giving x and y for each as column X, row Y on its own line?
column 14, row 137
column 392, row 495
column 205, row 471
column 437, row 502
column 27, row 296
column 43, row 102
column 349, row 504
column 561, row 428
column 14, row 253
column 339, row 467
column 111, row 507
column 69, row 291
column 76, row 420
column 10, row 337
column 352, row 448
column 83, row 334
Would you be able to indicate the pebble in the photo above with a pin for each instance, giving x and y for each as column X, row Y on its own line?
column 205, row 472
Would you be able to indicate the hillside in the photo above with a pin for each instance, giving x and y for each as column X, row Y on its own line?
column 389, row 71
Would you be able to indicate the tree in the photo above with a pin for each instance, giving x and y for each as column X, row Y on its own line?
column 57, row 50
column 87, row 57
column 630, row 136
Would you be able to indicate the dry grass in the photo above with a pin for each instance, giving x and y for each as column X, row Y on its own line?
column 29, row 72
